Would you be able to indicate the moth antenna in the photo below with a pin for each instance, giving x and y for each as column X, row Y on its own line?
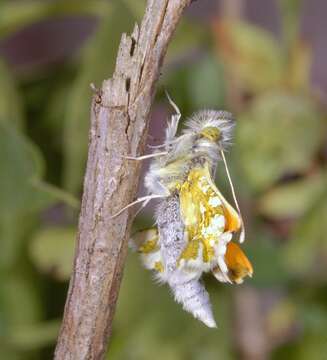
column 242, row 235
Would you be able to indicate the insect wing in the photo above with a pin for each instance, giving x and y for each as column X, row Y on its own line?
column 146, row 243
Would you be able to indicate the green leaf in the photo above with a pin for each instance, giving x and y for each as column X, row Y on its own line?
column 306, row 252
column 290, row 11
column 266, row 273
column 34, row 336
column 278, row 135
column 251, row 54
column 19, row 306
column 188, row 38
column 206, row 85
column 292, row 199
column 22, row 187
column 136, row 8
column 298, row 68
column 20, row 162
column 47, row 194
column 98, row 64
column 22, row 191
column 10, row 102
column 281, row 317
column 14, row 287
column 17, row 14
column 52, row 251
column 311, row 347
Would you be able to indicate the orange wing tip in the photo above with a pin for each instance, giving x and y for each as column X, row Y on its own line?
column 233, row 221
column 239, row 266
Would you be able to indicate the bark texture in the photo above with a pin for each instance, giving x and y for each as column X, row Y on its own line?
column 119, row 122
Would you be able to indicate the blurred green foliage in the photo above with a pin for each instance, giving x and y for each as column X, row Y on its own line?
column 278, row 162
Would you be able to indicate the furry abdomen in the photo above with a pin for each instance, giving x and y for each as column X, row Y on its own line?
column 186, row 286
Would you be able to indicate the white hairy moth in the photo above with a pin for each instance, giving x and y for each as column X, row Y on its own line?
column 195, row 223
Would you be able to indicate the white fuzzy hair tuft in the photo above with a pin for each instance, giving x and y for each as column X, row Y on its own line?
column 222, row 120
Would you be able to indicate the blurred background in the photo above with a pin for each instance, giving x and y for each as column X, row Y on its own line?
column 263, row 60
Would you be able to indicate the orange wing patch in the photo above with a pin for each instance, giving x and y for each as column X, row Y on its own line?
column 237, row 263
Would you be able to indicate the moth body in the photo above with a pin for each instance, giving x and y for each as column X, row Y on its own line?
column 195, row 223
column 206, row 133
column 185, row 285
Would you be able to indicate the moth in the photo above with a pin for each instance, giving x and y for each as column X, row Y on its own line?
column 194, row 223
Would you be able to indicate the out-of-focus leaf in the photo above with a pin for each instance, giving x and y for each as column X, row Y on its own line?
column 251, row 54
column 206, row 84
column 176, row 83
column 52, row 251
column 34, row 336
column 15, row 288
column 10, row 102
column 281, row 318
column 136, row 8
column 56, row 108
column 313, row 315
column 19, row 306
column 310, row 341
column 13, row 229
column 47, row 194
column 188, row 38
column 21, row 185
column 313, row 347
column 278, row 135
column 306, row 251
column 259, row 247
column 290, row 11
column 98, row 64
column 20, row 163
column 17, row 14
column 22, row 191
column 298, row 69
column 292, row 199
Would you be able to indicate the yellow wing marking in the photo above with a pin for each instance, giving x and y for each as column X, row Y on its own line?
column 233, row 220
column 146, row 240
column 206, row 214
column 191, row 250
column 159, row 266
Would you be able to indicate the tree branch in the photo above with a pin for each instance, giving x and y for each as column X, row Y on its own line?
column 119, row 123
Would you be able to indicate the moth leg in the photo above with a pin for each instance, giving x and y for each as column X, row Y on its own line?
column 156, row 146
column 141, row 199
column 142, row 207
column 143, row 157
